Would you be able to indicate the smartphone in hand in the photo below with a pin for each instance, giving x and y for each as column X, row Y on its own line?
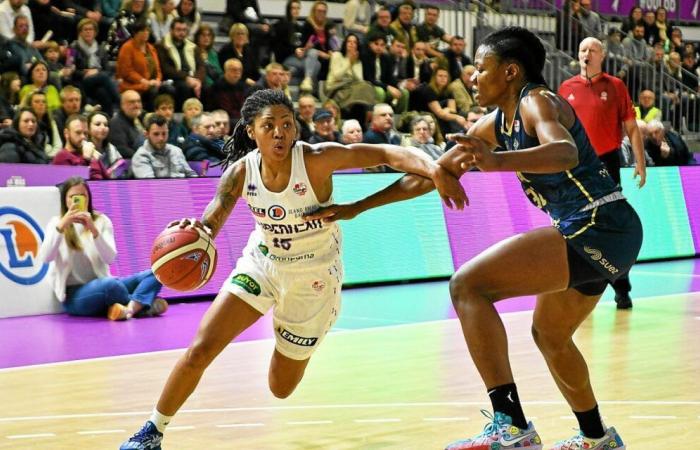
column 80, row 201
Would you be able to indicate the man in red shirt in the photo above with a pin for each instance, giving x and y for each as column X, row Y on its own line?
column 604, row 107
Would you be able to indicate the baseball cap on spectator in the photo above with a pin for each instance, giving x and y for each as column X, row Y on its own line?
column 322, row 114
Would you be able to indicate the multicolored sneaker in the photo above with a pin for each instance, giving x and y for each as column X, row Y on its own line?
column 500, row 434
column 611, row 441
column 147, row 438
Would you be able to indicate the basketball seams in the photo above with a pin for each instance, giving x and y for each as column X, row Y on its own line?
column 184, row 259
column 173, row 254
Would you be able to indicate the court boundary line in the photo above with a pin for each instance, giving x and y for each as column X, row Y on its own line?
column 244, row 409
column 334, row 333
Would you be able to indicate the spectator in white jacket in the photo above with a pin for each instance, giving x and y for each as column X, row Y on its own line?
column 9, row 10
column 80, row 246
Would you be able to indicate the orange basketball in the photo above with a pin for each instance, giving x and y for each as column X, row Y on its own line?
column 183, row 259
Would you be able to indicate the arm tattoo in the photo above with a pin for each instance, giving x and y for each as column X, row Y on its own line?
column 222, row 204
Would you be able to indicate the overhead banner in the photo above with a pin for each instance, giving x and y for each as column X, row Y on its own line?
column 684, row 10
column 24, row 214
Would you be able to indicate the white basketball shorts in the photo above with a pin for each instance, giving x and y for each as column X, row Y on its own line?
column 305, row 300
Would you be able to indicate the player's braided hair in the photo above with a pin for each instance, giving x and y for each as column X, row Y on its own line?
column 520, row 45
column 239, row 144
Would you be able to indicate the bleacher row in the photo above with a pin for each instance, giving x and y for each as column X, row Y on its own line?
column 471, row 20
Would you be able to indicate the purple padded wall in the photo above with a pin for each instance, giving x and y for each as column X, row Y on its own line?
column 145, row 208
column 498, row 209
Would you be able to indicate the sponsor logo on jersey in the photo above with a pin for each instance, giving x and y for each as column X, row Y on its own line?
column 290, row 259
column 300, row 188
column 22, row 237
column 276, row 212
column 246, row 282
column 297, row 340
column 597, row 255
column 264, row 249
column 252, row 190
column 516, row 126
column 280, row 228
column 318, row 285
column 571, row 97
column 257, row 212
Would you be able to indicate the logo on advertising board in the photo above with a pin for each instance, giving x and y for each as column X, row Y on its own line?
column 21, row 236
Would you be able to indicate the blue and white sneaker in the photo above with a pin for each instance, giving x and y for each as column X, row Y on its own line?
column 501, row 434
column 147, row 438
column 611, row 441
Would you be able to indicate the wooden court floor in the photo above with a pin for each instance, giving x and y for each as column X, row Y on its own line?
column 403, row 387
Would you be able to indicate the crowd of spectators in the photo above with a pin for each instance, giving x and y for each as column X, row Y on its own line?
column 647, row 52
column 149, row 90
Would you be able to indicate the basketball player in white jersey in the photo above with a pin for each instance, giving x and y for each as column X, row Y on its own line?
column 291, row 265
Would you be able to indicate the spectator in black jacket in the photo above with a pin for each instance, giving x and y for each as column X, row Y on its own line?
column 202, row 144
column 247, row 12
column 454, row 59
column 71, row 103
column 319, row 33
column 20, row 54
column 164, row 106
column 381, row 129
column 375, row 57
column 91, row 64
column 325, row 127
column 89, row 9
column 18, row 143
column 230, row 91
column 181, row 62
column 125, row 128
column 304, row 116
column 239, row 48
column 666, row 147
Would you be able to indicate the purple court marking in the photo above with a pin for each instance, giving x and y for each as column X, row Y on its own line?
column 52, row 338
column 59, row 337
column 500, row 210
column 690, row 179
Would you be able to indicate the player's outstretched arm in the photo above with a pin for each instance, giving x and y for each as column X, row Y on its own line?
column 228, row 192
column 407, row 187
column 557, row 150
column 332, row 157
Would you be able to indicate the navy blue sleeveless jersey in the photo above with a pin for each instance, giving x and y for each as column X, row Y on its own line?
column 563, row 193
column 585, row 204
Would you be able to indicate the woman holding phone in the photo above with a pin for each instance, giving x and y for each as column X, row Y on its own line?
column 80, row 245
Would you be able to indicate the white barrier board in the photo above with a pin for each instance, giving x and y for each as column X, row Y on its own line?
column 24, row 214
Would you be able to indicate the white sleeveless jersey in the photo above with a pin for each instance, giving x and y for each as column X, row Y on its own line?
column 281, row 233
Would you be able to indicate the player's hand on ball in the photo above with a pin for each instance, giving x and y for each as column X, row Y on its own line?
column 191, row 223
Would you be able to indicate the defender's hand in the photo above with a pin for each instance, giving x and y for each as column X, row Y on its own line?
column 450, row 189
column 333, row 213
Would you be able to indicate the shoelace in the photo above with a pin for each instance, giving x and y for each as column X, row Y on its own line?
column 494, row 426
column 144, row 435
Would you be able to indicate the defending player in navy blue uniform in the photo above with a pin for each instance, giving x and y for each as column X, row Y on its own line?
column 595, row 238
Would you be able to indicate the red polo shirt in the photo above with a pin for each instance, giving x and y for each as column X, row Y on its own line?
column 602, row 105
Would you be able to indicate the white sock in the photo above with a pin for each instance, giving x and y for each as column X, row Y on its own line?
column 159, row 420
